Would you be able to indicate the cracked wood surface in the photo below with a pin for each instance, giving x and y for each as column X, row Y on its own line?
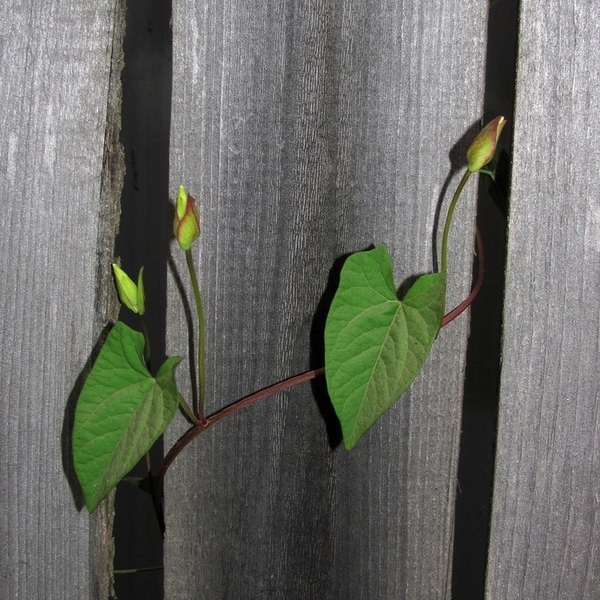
column 61, row 177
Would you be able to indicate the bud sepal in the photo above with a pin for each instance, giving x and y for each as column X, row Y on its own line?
column 130, row 294
column 186, row 223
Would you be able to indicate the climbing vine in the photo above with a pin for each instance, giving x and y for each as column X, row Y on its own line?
column 375, row 345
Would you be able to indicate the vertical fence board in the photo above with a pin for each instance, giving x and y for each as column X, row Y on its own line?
column 60, row 172
column 545, row 525
column 308, row 130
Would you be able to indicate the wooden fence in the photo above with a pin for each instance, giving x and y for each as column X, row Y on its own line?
column 307, row 130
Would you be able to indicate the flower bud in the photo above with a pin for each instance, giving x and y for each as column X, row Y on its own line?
column 482, row 150
column 186, row 224
column 130, row 294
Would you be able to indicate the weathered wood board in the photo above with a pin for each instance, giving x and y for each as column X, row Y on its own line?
column 61, row 172
column 308, row 130
column 545, row 536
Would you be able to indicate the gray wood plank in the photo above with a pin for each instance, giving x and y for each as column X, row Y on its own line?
column 545, row 524
column 308, row 130
column 61, row 172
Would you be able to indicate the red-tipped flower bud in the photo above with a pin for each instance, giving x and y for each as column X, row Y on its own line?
column 186, row 224
column 482, row 150
column 130, row 294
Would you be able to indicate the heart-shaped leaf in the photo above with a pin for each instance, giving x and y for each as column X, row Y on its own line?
column 120, row 413
column 374, row 344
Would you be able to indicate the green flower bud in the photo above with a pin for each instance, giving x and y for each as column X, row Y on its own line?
column 186, row 224
column 482, row 150
column 130, row 294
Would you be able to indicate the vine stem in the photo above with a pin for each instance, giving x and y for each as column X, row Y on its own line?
column 471, row 297
column 199, row 310
column 453, row 204
column 197, row 429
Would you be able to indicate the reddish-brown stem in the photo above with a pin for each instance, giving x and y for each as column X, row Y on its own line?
column 205, row 423
column 268, row 391
column 197, row 429
column 469, row 299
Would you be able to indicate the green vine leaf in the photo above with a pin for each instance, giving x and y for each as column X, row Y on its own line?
column 120, row 413
column 374, row 344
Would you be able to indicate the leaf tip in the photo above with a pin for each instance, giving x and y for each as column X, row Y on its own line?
column 349, row 443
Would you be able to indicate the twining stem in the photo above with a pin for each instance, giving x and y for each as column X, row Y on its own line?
column 201, row 383
column 471, row 297
column 455, row 198
column 197, row 429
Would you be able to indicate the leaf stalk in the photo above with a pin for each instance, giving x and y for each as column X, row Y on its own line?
column 200, row 312
column 449, row 216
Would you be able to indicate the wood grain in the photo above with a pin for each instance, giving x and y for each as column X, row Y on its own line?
column 61, row 172
column 308, row 130
column 545, row 525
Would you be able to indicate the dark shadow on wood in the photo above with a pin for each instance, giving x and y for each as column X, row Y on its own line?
column 317, row 354
column 189, row 320
column 144, row 240
column 482, row 374
column 480, row 409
